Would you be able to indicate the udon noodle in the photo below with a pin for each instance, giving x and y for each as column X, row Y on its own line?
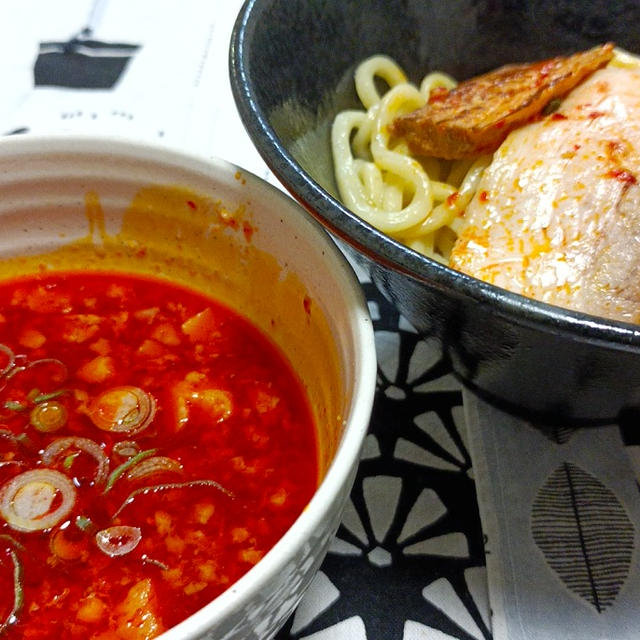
column 418, row 201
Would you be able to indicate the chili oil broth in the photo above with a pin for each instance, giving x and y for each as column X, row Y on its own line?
column 197, row 540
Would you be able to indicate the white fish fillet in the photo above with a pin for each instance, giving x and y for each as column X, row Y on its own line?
column 557, row 214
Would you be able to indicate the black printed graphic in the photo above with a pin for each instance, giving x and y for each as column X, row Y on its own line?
column 82, row 63
column 584, row 534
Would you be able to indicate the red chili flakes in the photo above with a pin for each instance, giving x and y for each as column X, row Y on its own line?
column 192, row 205
column 617, row 151
column 595, row 114
column 451, row 200
column 483, row 196
column 568, row 155
column 558, row 116
column 306, row 303
column 231, row 223
column 543, row 72
column 438, row 94
column 248, row 231
column 622, row 175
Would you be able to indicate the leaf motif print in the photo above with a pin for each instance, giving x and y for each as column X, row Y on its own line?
column 584, row 534
column 560, row 434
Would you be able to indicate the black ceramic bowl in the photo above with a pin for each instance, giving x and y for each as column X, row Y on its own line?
column 292, row 64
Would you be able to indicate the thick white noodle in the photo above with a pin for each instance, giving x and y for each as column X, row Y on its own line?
column 385, row 185
column 365, row 78
column 434, row 80
column 444, row 214
column 370, row 187
column 624, row 59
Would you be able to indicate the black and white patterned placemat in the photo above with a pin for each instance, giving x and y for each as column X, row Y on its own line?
column 408, row 560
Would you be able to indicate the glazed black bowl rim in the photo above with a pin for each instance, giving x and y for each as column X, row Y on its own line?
column 381, row 248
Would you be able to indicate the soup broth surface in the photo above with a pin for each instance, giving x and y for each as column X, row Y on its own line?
column 154, row 445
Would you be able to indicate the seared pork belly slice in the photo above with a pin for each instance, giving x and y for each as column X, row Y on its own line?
column 476, row 116
column 557, row 213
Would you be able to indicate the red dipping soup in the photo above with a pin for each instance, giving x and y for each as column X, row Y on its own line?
column 154, row 445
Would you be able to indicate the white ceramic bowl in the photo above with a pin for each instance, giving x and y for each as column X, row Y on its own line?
column 68, row 202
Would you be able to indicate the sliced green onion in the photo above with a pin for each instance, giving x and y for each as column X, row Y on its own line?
column 15, row 437
column 48, row 416
column 119, row 540
column 153, row 465
column 27, row 500
column 44, row 397
column 63, row 374
column 84, row 524
column 67, row 463
column 167, row 487
column 123, row 410
column 18, row 593
column 125, row 466
column 11, row 359
column 14, row 371
column 14, row 405
column 11, row 540
column 23, row 438
column 126, row 448
column 62, row 445
column 161, row 565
